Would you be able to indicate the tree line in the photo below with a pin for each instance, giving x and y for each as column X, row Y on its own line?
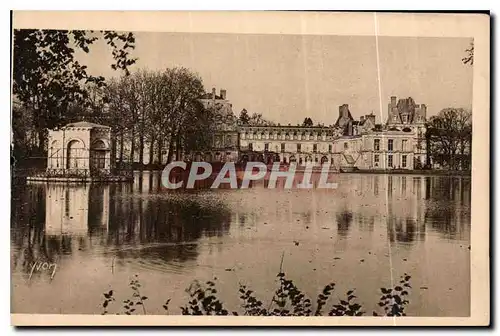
column 158, row 111
column 449, row 139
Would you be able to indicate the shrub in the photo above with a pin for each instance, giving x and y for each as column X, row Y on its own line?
column 287, row 300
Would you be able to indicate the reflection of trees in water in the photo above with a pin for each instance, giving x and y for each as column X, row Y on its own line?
column 344, row 221
column 177, row 220
column 452, row 188
column 449, row 220
column 115, row 218
column 448, row 210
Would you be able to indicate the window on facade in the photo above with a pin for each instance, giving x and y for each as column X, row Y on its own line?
column 250, row 146
column 346, row 145
column 315, row 148
column 376, row 159
column 266, row 147
column 100, row 159
column 389, row 161
column 403, row 144
column 330, row 148
column 376, row 144
column 298, row 148
column 390, row 145
column 403, row 161
column 282, row 148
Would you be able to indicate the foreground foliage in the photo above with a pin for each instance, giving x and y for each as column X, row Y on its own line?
column 287, row 300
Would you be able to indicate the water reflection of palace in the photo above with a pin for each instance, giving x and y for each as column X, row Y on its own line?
column 419, row 203
column 141, row 221
column 409, row 207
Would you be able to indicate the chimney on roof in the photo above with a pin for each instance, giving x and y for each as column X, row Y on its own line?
column 423, row 110
column 362, row 118
column 223, row 94
column 344, row 111
column 214, row 92
column 371, row 117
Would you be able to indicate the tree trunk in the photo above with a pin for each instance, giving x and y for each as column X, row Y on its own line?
column 132, row 145
column 113, row 148
column 121, row 150
column 160, row 148
column 462, row 155
column 41, row 142
column 141, row 149
column 151, row 150
column 178, row 147
column 170, row 147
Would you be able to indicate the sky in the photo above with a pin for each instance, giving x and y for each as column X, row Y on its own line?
column 289, row 77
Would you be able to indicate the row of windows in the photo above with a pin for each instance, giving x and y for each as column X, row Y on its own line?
column 299, row 147
column 286, row 136
column 405, row 118
column 404, row 160
column 390, row 145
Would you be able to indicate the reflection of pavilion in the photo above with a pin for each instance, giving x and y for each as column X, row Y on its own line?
column 76, row 209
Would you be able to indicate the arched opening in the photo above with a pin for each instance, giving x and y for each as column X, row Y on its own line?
column 55, row 154
column 74, row 158
column 99, row 154
column 324, row 159
column 292, row 159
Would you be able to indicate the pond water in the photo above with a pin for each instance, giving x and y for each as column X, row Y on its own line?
column 364, row 235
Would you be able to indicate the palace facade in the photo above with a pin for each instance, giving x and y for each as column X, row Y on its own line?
column 349, row 144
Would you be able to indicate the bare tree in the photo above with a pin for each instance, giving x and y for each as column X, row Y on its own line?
column 450, row 138
column 181, row 103
column 123, row 113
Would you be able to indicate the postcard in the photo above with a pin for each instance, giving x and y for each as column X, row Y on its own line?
column 250, row 168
